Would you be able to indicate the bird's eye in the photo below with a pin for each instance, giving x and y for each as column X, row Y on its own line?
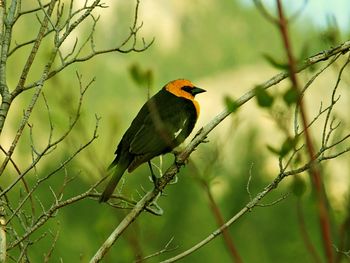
column 187, row 89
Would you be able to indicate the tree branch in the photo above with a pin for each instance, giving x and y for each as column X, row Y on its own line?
column 170, row 173
column 48, row 214
column 6, row 33
column 37, row 92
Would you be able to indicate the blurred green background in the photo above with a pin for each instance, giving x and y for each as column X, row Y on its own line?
column 222, row 47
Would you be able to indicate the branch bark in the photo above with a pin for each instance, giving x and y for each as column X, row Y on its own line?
column 3, row 244
column 21, row 83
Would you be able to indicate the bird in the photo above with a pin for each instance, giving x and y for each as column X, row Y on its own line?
column 162, row 123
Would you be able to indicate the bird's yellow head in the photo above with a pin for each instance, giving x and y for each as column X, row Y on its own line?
column 185, row 89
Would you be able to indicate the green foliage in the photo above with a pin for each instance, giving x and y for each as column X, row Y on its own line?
column 287, row 146
column 274, row 63
column 298, row 186
column 231, row 104
column 141, row 77
column 290, row 97
column 263, row 98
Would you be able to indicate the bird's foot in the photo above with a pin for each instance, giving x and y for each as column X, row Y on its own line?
column 153, row 178
column 176, row 152
column 156, row 182
column 174, row 180
column 177, row 160
column 154, row 208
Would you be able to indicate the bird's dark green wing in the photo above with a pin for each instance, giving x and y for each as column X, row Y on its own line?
column 163, row 121
column 161, row 130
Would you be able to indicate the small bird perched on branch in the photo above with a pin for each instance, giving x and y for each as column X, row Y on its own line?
column 162, row 123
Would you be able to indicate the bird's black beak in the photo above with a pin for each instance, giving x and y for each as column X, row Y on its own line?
column 196, row 90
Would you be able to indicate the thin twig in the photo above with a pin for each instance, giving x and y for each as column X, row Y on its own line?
column 3, row 243
column 21, row 82
column 47, row 256
column 162, row 251
column 51, row 145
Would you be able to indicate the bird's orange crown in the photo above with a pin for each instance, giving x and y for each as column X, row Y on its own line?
column 185, row 89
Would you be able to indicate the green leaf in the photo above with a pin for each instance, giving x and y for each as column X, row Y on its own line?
column 298, row 186
column 136, row 74
column 290, row 96
column 287, row 146
column 141, row 77
column 264, row 99
column 275, row 63
column 231, row 104
column 273, row 150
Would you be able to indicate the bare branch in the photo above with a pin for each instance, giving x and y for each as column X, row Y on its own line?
column 41, row 180
column 166, row 249
column 283, row 197
column 26, row 43
column 6, row 34
column 46, row 215
column 74, row 55
column 47, row 256
column 303, row 91
column 37, row 92
column 29, row 11
column 34, row 51
column 52, row 145
column 325, row 138
column 3, row 244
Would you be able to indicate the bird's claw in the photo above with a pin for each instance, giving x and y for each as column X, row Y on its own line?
column 174, row 180
column 154, row 208
column 178, row 161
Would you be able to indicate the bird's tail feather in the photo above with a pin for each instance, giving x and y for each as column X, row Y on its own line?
column 116, row 173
